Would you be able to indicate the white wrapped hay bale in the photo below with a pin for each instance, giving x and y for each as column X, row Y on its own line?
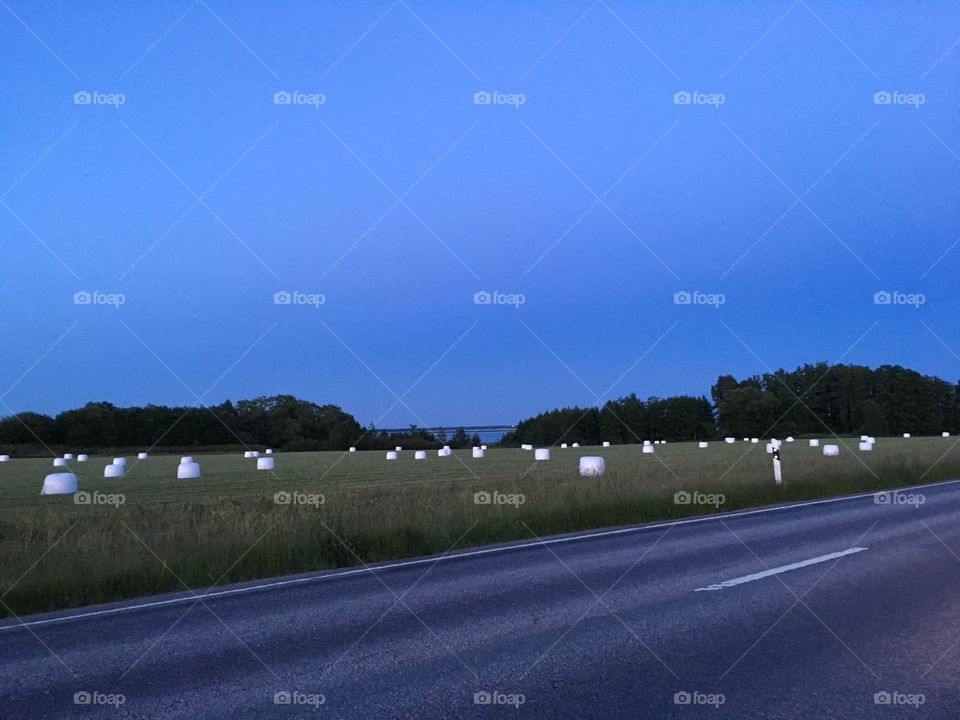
column 119, row 461
column 814, row 442
column 420, row 455
column 703, row 444
column 776, row 443
column 186, row 459
column 141, row 456
column 863, row 438
column 729, row 440
column 63, row 483
column 68, row 456
column 606, row 443
column 483, row 447
column 906, row 435
column 353, row 449
column 59, row 462
column 392, row 455
column 478, row 452
column 746, row 439
column 541, row 454
column 269, row 451
column 82, row 457
column 4, row 458
column 398, row 448
column 563, row 446
column 576, row 445
column 831, row 450
column 866, row 447
column 944, row 434
column 591, row 466
column 769, row 448
column 247, row 454
column 872, row 440
column 790, row 438
column 113, row 470
column 188, row 471
column 266, row 463
column 648, row 450
column 754, row 441
column 646, row 443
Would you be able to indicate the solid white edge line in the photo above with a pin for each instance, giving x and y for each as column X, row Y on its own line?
column 469, row 553
column 781, row 569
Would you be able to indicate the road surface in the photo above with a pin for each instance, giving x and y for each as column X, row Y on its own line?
column 846, row 608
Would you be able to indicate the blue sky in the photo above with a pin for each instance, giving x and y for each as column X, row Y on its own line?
column 785, row 187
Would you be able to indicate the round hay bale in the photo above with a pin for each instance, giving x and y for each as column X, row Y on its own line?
column 479, row 452
column 269, row 451
column 541, row 454
column 592, row 466
column 142, row 456
column 906, row 435
column 790, row 438
column 648, row 450
column 68, row 456
column 703, row 444
column 420, row 455
column 944, row 434
column 266, row 463
column 187, row 471
column 754, row 441
column 353, row 449
column 563, row 445
column 831, row 450
column 4, row 458
column 63, row 483
column 392, row 455
column 814, row 442
column 729, row 440
column 59, row 462
column 398, row 448
column 186, row 459
column 113, row 470
column 82, row 457
column 119, row 461
column 606, row 443
column 866, row 446
column 574, row 445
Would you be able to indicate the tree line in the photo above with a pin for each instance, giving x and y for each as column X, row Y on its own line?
column 814, row 399
column 279, row 421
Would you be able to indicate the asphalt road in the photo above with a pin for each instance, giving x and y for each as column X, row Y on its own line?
column 841, row 609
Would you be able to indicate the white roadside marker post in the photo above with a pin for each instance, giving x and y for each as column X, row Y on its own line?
column 777, row 476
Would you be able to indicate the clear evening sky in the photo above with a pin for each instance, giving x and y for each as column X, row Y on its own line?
column 789, row 160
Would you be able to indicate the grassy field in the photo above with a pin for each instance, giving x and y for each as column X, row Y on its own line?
column 169, row 534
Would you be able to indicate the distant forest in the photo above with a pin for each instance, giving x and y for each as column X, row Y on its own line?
column 811, row 400
column 280, row 421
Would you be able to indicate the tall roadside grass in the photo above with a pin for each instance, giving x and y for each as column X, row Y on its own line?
column 65, row 555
